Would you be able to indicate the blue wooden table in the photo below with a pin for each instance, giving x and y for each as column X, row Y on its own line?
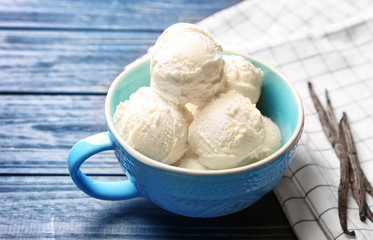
column 57, row 61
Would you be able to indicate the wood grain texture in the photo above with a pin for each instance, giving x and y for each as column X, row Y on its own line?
column 81, row 46
column 52, row 207
column 38, row 131
column 67, row 62
column 115, row 15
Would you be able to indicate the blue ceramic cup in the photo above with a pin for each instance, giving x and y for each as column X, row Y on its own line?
column 194, row 193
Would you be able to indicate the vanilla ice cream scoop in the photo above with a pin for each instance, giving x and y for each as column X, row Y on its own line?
column 272, row 138
column 190, row 161
column 153, row 126
column 242, row 76
column 226, row 131
column 186, row 65
column 271, row 143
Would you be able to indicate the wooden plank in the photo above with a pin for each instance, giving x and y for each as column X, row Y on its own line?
column 110, row 14
column 52, row 207
column 53, row 162
column 79, row 46
column 37, row 133
column 67, row 62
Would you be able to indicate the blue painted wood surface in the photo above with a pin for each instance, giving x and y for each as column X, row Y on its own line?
column 57, row 61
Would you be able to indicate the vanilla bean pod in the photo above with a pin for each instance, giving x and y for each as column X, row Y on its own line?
column 341, row 139
column 338, row 146
column 343, row 188
column 368, row 186
column 355, row 196
column 333, row 136
column 323, row 117
column 332, row 118
column 356, row 178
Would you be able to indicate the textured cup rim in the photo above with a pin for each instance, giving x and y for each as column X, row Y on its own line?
column 141, row 157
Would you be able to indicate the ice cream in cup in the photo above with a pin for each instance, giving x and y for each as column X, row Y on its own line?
column 212, row 159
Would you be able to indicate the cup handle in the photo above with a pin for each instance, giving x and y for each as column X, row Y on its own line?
column 84, row 149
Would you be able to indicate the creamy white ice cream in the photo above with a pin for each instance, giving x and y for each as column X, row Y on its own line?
column 153, row 126
column 186, row 65
column 272, row 138
column 271, row 143
column 199, row 111
column 226, row 131
column 190, row 161
column 242, row 76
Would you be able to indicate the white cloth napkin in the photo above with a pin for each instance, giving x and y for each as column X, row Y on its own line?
column 329, row 43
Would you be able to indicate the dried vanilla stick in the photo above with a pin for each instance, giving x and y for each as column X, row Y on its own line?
column 331, row 117
column 340, row 137
column 356, row 179
column 368, row 186
column 355, row 196
column 332, row 133
column 343, row 188
column 325, row 122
